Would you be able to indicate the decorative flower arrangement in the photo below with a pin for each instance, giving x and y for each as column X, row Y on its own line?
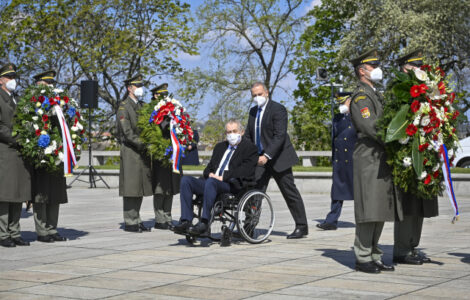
column 39, row 132
column 167, row 146
column 417, row 125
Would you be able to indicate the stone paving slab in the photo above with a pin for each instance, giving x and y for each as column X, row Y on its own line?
column 101, row 261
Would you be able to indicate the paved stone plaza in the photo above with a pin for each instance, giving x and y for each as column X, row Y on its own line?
column 102, row 261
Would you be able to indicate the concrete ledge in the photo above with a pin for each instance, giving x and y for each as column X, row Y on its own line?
column 306, row 182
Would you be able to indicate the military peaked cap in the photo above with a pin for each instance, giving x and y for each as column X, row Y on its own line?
column 370, row 57
column 8, row 70
column 413, row 58
column 136, row 80
column 162, row 88
column 341, row 97
column 48, row 76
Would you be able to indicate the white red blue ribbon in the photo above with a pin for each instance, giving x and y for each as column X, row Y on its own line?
column 67, row 146
column 448, row 181
column 177, row 149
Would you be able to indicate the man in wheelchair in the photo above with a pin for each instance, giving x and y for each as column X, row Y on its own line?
column 233, row 160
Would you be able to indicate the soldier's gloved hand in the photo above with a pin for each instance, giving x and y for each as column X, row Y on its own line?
column 14, row 143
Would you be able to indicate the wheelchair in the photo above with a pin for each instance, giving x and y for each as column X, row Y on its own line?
column 250, row 212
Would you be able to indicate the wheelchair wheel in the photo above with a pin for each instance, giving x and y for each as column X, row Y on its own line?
column 218, row 219
column 255, row 217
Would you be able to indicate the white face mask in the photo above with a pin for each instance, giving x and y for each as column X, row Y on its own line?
column 233, row 138
column 343, row 109
column 11, row 85
column 376, row 74
column 139, row 92
column 260, row 100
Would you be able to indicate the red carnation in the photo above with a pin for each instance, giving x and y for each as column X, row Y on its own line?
column 451, row 97
column 435, row 137
column 46, row 126
column 446, row 109
column 425, row 161
column 66, row 99
column 411, row 129
column 56, row 152
column 441, row 72
column 456, row 114
column 454, row 130
column 78, row 114
column 415, row 106
column 41, row 99
column 45, row 118
column 52, row 101
column 436, row 174
column 423, row 147
column 423, row 88
column 33, row 99
column 38, row 132
column 427, row 180
column 442, row 87
column 426, row 67
column 415, row 91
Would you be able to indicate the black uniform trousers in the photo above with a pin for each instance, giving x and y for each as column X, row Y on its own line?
column 285, row 181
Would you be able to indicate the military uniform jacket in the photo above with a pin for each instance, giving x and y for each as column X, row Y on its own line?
column 343, row 146
column 135, row 178
column 164, row 180
column 374, row 199
column 15, row 179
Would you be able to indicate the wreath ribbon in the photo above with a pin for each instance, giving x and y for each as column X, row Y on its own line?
column 448, row 181
column 69, row 155
column 177, row 149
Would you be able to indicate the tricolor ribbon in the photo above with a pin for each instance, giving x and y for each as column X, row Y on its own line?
column 448, row 181
column 177, row 149
column 69, row 156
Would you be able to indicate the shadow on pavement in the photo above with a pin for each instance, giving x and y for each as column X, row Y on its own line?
column 347, row 258
column 70, row 234
column 341, row 224
column 465, row 257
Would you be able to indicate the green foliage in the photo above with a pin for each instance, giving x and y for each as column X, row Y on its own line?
column 104, row 40
column 151, row 135
column 397, row 128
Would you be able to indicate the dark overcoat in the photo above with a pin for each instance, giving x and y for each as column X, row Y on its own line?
column 374, row 199
column 344, row 139
column 15, row 178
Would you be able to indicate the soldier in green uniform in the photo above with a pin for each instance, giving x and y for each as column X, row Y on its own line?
column 408, row 232
column 374, row 202
column 49, row 189
column 15, row 184
column 135, row 178
column 165, row 183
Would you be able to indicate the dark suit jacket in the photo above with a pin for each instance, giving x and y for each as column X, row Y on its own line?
column 242, row 165
column 274, row 138
column 192, row 156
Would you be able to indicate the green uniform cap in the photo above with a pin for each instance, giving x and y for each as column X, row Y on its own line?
column 48, row 76
column 341, row 97
column 8, row 70
column 370, row 57
column 162, row 88
column 413, row 58
column 136, row 80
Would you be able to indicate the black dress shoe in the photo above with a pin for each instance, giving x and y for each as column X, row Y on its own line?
column 424, row 258
column 327, row 226
column 143, row 228
column 132, row 228
column 45, row 239
column 298, row 233
column 383, row 267
column 408, row 259
column 368, row 267
column 57, row 237
column 163, row 226
column 182, row 227
column 20, row 242
column 8, row 242
column 198, row 229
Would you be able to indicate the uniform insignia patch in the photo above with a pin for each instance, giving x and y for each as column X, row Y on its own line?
column 359, row 98
column 365, row 112
column 122, row 118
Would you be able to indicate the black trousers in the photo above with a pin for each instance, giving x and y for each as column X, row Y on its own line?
column 285, row 181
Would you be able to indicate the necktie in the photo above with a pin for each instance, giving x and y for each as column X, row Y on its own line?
column 227, row 158
column 258, row 135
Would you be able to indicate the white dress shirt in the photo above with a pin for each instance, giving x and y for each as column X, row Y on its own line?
column 223, row 159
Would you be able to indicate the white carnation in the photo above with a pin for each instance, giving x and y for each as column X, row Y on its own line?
column 35, row 118
column 450, row 152
column 404, row 140
column 423, row 175
column 425, row 121
column 48, row 150
column 27, row 140
column 79, row 147
column 416, row 120
column 43, row 161
column 57, row 91
column 43, row 91
column 80, row 126
column 36, row 127
column 436, row 167
column 61, row 156
column 447, row 103
column 74, row 128
column 74, row 136
column 421, row 75
column 407, row 162
column 40, row 112
column 43, row 132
